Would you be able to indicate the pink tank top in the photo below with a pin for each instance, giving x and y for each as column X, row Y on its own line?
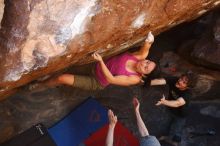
column 117, row 66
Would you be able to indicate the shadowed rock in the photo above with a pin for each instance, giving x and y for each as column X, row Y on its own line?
column 39, row 37
column 207, row 50
column 203, row 48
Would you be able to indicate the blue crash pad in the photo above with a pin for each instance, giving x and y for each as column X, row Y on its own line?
column 87, row 118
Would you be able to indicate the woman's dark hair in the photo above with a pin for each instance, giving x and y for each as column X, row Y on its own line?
column 156, row 73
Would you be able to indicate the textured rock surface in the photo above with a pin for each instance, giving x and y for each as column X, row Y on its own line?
column 39, row 37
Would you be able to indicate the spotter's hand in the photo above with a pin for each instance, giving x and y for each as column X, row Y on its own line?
column 161, row 101
column 112, row 118
column 136, row 104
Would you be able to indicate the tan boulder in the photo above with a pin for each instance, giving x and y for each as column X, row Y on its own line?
column 40, row 37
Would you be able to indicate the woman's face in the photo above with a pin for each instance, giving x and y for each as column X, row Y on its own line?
column 145, row 66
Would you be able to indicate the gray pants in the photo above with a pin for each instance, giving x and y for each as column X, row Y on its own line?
column 176, row 127
column 149, row 141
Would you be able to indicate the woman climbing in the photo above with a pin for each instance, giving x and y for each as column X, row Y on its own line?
column 123, row 70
